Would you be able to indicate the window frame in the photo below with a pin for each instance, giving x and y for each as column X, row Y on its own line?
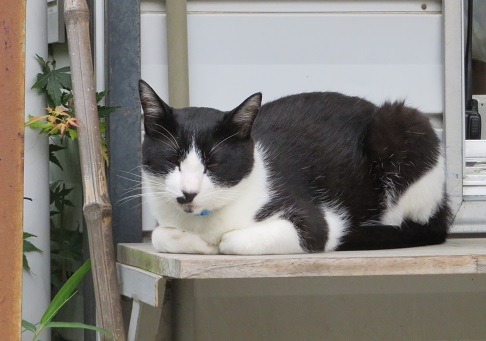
column 468, row 211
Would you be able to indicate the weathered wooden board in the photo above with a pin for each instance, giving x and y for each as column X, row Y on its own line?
column 142, row 285
column 457, row 256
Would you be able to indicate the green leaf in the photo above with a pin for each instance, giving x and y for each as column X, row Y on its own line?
column 100, row 95
column 57, row 195
column 104, row 111
column 102, row 126
column 40, row 122
column 29, row 326
column 77, row 325
column 66, row 97
column 28, row 235
column 35, row 119
column 73, row 134
column 41, row 60
column 53, row 81
column 29, row 247
column 104, row 151
column 55, row 148
column 52, row 157
column 66, row 253
column 25, row 263
column 37, row 122
column 68, row 202
column 65, row 293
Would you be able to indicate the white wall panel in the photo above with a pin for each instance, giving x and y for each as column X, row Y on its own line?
column 301, row 6
column 385, row 55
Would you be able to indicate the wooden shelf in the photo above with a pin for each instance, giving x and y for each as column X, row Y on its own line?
column 456, row 256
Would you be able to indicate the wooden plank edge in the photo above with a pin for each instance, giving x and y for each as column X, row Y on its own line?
column 254, row 267
column 320, row 267
column 141, row 285
column 146, row 261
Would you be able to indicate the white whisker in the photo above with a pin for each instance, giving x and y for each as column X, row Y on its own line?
column 217, row 144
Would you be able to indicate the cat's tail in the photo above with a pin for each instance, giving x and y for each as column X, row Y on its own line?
column 376, row 236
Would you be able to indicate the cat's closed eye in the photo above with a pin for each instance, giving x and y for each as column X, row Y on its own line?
column 212, row 162
column 213, row 165
column 174, row 160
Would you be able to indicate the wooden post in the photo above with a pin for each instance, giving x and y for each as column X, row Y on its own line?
column 177, row 53
column 12, row 74
column 97, row 207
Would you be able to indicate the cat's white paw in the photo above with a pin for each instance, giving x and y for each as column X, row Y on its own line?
column 276, row 237
column 238, row 243
column 171, row 240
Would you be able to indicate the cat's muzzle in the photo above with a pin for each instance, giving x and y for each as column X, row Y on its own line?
column 186, row 201
column 188, row 208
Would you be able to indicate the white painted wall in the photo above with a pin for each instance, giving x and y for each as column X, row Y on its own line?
column 376, row 49
column 36, row 289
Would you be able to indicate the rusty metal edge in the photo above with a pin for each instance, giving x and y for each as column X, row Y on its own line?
column 12, row 97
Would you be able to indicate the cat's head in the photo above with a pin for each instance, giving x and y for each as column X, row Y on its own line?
column 195, row 158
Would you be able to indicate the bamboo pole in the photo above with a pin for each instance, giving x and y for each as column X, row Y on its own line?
column 97, row 207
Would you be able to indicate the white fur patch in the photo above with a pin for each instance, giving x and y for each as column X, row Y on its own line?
column 337, row 222
column 271, row 237
column 232, row 208
column 192, row 172
column 176, row 241
column 190, row 178
column 421, row 200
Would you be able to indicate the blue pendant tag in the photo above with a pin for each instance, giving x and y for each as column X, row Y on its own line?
column 203, row 213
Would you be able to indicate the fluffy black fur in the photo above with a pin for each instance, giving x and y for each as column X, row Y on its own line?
column 328, row 147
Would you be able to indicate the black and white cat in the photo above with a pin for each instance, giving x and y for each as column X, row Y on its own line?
column 306, row 173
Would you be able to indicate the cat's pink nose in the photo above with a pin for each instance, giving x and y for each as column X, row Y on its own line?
column 186, row 198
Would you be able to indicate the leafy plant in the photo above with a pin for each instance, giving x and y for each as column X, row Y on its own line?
column 28, row 247
column 66, row 244
column 60, row 119
column 67, row 291
column 52, row 81
column 53, row 148
column 59, row 122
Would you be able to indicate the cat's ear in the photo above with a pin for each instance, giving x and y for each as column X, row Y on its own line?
column 243, row 116
column 157, row 114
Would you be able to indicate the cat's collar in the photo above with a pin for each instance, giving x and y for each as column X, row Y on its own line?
column 203, row 213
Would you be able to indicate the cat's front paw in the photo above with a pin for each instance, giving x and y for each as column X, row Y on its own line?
column 270, row 238
column 171, row 240
column 242, row 242
column 235, row 243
